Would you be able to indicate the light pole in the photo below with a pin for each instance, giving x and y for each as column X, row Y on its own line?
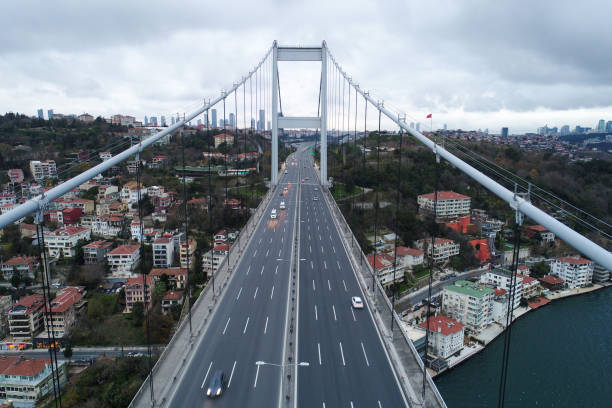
column 282, row 367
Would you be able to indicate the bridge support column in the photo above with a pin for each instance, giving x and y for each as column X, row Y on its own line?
column 274, row 166
column 324, row 114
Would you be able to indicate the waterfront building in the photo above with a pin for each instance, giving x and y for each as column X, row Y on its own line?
column 450, row 204
column 469, row 303
column 577, row 272
column 600, row 274
column 445, row 334
column 25, row 380
column 501, row 278
column 551, row 282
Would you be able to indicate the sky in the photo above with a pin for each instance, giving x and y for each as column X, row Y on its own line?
column 472, row 64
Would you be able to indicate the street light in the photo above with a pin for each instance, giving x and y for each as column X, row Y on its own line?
column 282, row 367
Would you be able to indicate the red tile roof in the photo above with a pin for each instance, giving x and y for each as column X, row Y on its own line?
column 124, row 250
column 403, row 251
column 380, row 264
column 500, row 292
column 483, row 253
column 66, row 298
column 551, row 279
column 21, row 260
column 173, row 295
column 538, row 228
column 138, row 281
column 445, row 324
column 168, row 271
column 22, row 366
column 445, row 195
column 574, row 260
column 69, row 231
column 99, row 244
column 163, row 240
column 526, row 279
column 222, row 247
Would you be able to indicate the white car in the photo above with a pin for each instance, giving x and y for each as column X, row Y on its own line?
column 273, row 214
column 282, row 205
column 357, row 302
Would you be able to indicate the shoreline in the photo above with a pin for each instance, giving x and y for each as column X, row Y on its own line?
column 479, row 346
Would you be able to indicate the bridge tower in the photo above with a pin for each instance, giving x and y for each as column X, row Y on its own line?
column 288, row 122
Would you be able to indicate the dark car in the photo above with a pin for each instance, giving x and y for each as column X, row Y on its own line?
column 216, row 384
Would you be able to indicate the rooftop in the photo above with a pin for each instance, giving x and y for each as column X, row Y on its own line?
column 168, row 271
column 443, row 324
column 574, row 260
column 66, row 298
column 403, row 251
column 22, row 366
column 469, row 288
column 173, row 295
column 99, row 244
column 445, row 195
column 124, row 250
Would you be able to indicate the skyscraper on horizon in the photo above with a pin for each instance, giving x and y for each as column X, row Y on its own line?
column 504, row 132
column 565, row 129
column 172, row 120
column 418, row 126
column 146, row 120
column 199, row 122
column 609, row 126
column 40, row 114
column 153, row 120
column 601, row 125
column 163, row 120
column 262, row 119
column 49, row 114
column 232, row 120
column 214, row 117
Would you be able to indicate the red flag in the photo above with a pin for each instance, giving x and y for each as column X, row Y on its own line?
column 429, row 116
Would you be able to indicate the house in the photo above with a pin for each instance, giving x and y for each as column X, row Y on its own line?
column 385, row 269
column 159, row 162
column 26, row 317
column 221, row 237
column 551, row 282
column 523, row 270
column 24, row 265
column 576, row 272
column 540, row 232
column 502, row 279
column 43, row 169
column 232, row 203
column 86, row 206
column 163, row 252
column 108, row 192
column 137, row 290
column 223, row 138
column 135, row 229
column 508, row 254
column 409, row 257
column 450, row 204
column 445, row 334
column 531, row 286
column 481, row 249
column 463, row 225
column 68, row 305
column 7, row 198
column 123, row 259
column 15, row 176
column 443, row 248
column 468, row 303
column 107, row 225
column 187, row 253
column 95, row 252
column 197, row 204
column 170, row 299
column 26, row 380
column 212, row 259
column 176, row 276
column 104, row 156
column 63, row 241
column 85, row 117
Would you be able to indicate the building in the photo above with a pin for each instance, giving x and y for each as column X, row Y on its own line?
column 177, row 277
column 576, row 272
column 408, row 258
column 85, row 117
column 531, row 286
column 385, row 270
column 107, row 225
column 124, row 259
column 7, row 198
column 23, row 265
column 25, row 380
column 504, row 132
column 42, row 170
column 482, row 251
column 220, row 237
column 445, row 336
column 95, row 252
column 137, row 290
column 551, row 282
column 163, row 252
column 443, row 248
column 508, row 254
column 540, row 232
column 68, row 305
column 170, row 299
column 135, row 229
column 600, row 274
column 212, row 259
column 450, row 204
column 6, row 302
column 501, row 278
column 63, row 241
column 26, row 317
column 187, row 253
column 469, row 303
column 15, row 175
column 40, row 114
column 49, row 114
column 223, row 138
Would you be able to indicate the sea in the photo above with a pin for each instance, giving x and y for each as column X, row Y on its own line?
column 560, row 356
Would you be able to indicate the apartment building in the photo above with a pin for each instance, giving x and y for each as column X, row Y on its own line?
column 170, row 299
column 540, row 232
column 187, row 253
column 177, row 277
column 86, row 206
column 443, row 248
column 26, row 317
column 43, row 169
column 95, row 252
column 468, row 303
column 63, row 241
column 409, row 257
column 23, row 265
column 223, row 138
column 600, row 274
column 7, row 198
column 123, row 259
column 138, row 290
column 24, row 380
column 107, row 225
column 502, row 278
column 450, row 204
column 383, row 264
column 15, row 176
column 445, row 334
column 577, row 272
column 68, row 305
column 163, row 252
column 6, row 302
column 212, row 259
column 531, row 286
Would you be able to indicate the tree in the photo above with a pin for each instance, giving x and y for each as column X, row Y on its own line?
column 138, row 314
column 68, row 351
column 16, row 279
column 539, row 269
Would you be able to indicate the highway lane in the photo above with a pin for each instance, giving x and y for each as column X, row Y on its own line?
column 249, row 324
column 348, row 365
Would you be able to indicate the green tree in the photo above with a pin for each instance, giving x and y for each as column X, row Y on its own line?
column 68, row 351
column 16, row 279
column 138, row 314
column 539, row 269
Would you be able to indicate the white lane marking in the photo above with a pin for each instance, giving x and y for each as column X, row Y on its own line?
column 262, row 269
column 256, row 375
column 319, row 348
column 379, row 404
column 343, row 362
column 255, row 295
column 309, row 237
column 311, row 265
column 283, row 238
column 365, row 355
column 231, row 375
column 239, row 292
column 325, row 264
column 316, row 313
column 206, row 376
column 259, row 241
column 228, row 319
column 267, row 252
column 317, row 228
column 329, row 285
column 338, row 262
column 272, row 294
column 270, row 240
column 320, row 237
column 245, row 325
column 352, row 406
column 266, row 326
column 323, row 404
column 344, row 283
column 333, row 247
column 330, row 238
column 254, row 253
column 353, row 312
column 313, row 285
column 276, row 270
column 248, row 269
column 334, row 309
column 310, row 246
column 279, row 252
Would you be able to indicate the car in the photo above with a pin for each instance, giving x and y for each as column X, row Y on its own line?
column 216, row 384
column 316, row 188
column 315, row 198
column 273, row 214
column 282, row 205
column 357, row 302
column 286, row 172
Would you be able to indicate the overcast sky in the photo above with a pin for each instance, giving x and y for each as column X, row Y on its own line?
column 473, row 64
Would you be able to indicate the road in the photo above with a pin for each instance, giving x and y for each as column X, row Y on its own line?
column 348, row 364
column 249, row 324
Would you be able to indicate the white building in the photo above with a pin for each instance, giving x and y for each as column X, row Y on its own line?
column 468, row 303
column 43, row 169
column 123, row 260
column 450, row 204
column 577, row 272
column 385, row 269
column 213, row 258
column 409, row 257
column 501, row 278
column 135, row 229
column 445, row 334
column 64, row 240
column 443, row 248
column 163, row 252
column 600, row 274
column 7, row 198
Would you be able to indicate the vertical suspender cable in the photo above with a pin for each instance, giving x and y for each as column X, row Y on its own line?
column 376, row 204
column 397, row 206
column 187, row 283
column 225, row 156
column 210, row 225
